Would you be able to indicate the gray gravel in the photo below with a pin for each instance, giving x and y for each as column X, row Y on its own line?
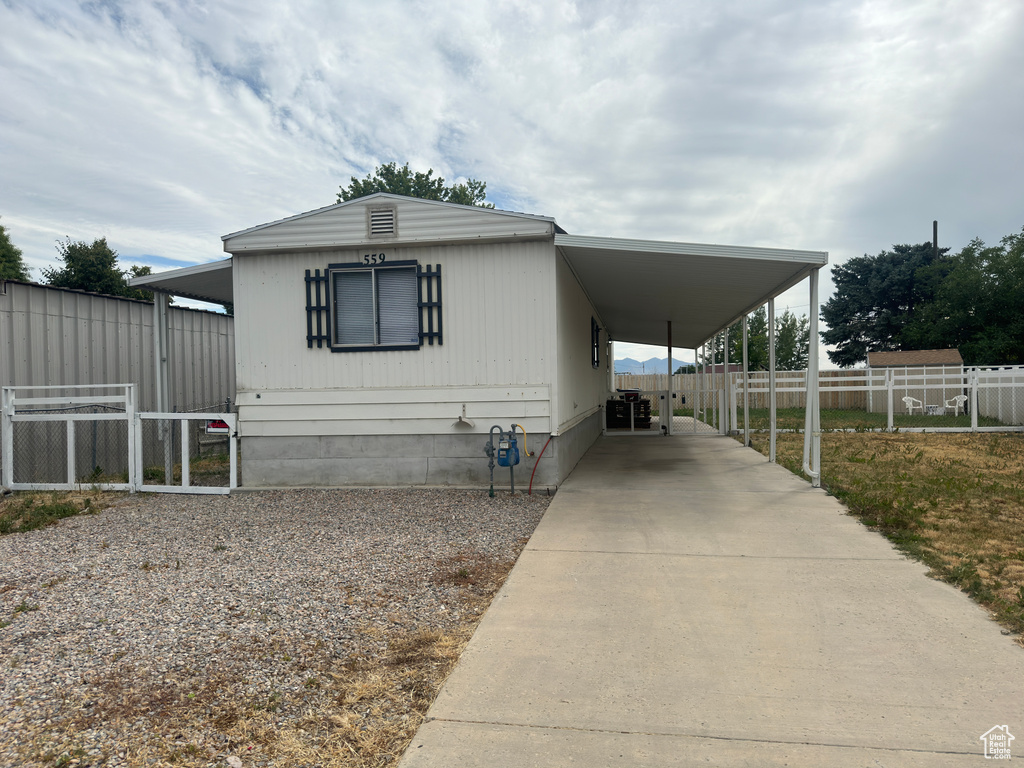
column 164, row 594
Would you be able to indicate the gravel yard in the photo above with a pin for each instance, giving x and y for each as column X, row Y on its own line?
column 280, row 628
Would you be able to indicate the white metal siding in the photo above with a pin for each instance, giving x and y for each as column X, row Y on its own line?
column 417, row 220
column 430, row 411
column 581, row 387
column 50, row 336
column 497, row 306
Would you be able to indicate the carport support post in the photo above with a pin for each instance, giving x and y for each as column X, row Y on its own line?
column 746, row 388
column 696, row 398
column 668, row 395
column 812, row 416
column 726, row 385
column 771, row 380
column 611, row 386
column 716, row 385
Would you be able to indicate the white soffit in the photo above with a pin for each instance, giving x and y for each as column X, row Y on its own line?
column 639, row 285
column 205, row 282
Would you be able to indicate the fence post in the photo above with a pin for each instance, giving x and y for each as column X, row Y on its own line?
column 71, row 451
column 888, row 389
column 974, row 400
column 129, row 412
column 233, row 450
column 6, row 437
column 734, row 397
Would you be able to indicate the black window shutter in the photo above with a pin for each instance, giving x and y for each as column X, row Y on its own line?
column 318, row 310
column 429, row 280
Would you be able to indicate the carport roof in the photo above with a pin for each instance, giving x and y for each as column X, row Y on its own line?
column 635, row 285
column 638, row 285
column 204, row 282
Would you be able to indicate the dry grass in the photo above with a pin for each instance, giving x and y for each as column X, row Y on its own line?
column 362, row 710
column 954, row 501
column 359, row 711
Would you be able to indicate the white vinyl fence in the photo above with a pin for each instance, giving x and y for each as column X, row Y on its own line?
column 933, row 399
column 53, row 441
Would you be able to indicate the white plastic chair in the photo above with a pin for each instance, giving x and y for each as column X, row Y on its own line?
column 956, row 403
column 912, row 403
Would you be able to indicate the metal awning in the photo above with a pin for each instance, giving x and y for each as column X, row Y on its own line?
column 638, row 285
column 635, row 285
column 205, row 282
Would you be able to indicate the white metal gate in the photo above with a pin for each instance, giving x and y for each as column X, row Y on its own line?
column 46, row 438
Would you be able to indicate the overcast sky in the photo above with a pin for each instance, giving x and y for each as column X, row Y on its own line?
column 839, row 126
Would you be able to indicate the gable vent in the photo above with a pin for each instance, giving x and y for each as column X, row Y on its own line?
column 382, row 222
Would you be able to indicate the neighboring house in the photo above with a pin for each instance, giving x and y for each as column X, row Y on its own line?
column 915, row 358
column 930, row 378
column 378, row 340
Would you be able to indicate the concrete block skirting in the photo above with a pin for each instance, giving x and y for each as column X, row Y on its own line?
column 382, row 460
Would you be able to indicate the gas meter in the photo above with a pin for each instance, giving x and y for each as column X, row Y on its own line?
column 508, row 452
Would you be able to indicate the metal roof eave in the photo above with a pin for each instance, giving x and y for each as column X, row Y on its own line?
column 204, row 282
column 820, row 258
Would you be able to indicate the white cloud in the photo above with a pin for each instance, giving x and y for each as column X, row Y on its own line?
column 839, row 126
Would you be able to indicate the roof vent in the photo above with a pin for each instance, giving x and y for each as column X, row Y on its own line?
column 382, row 222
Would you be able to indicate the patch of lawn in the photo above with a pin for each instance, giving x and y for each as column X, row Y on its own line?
column 22, row 512
column 953, row 501
column 858, row 420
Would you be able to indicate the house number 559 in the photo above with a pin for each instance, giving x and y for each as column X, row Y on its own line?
column 373, row 258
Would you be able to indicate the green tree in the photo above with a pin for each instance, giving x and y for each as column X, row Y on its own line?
column 12, row 267
column 93, row 267
column 792, row 341
column 137, row 293
column 792, row 334
column 876, row 298
column 403, row 181
column 979, row 306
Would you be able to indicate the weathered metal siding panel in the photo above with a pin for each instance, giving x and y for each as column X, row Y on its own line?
column 581, row 387
column 498, row 312
column 417, row 220
column 202, row 358
column 50, row 336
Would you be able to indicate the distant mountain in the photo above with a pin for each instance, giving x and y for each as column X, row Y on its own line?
column 653, row 365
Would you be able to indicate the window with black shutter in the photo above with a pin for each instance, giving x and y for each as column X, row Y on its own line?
column 374, row 306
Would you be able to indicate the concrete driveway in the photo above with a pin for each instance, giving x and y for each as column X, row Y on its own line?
column 684, row 602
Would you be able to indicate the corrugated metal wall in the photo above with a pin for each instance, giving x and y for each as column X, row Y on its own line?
column 51, row 336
